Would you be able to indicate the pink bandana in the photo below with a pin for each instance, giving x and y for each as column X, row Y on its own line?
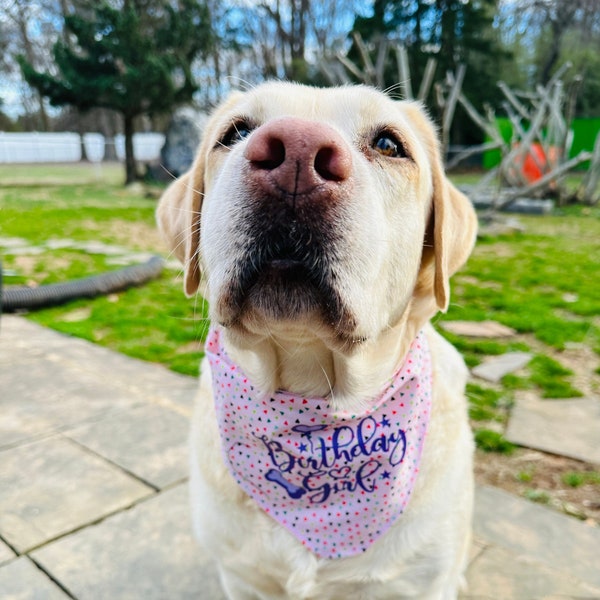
column 336, row 481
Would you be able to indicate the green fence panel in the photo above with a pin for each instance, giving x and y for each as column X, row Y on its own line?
column 584, row 136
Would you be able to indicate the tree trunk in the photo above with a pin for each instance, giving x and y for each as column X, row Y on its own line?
column 81, row 132
column 130, row 170
column 30, row 55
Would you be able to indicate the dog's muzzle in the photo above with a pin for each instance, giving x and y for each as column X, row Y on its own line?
column 298, row 175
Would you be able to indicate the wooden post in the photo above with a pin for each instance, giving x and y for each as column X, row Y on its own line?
column 404, row 72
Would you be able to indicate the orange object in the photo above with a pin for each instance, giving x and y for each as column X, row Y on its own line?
column 536, row 163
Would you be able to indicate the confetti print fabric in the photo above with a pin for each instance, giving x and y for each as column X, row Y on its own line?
column 336, row 481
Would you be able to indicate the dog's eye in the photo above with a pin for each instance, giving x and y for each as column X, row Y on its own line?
column 237, row 131
column 387, row 144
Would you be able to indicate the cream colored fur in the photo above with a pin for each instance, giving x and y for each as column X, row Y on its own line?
column 405, row 231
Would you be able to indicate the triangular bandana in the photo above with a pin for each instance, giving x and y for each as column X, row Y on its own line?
column 336, row 481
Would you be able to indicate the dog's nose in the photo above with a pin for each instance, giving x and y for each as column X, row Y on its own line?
column 295, row 156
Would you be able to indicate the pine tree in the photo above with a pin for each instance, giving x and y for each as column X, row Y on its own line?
column 451, row 31
column 135, row 59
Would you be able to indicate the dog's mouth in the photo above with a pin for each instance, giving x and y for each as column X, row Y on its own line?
column 283, row 273
column 285, row 270
column 287, row 273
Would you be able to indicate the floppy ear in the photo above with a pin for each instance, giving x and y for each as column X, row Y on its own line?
column 178, row 217
column 454, row 233
column 178, row 212
column 453, row 223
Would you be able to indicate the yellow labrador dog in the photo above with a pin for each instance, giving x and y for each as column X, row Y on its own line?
column 331, row 451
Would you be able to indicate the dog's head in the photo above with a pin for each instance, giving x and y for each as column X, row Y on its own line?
column 321, row 209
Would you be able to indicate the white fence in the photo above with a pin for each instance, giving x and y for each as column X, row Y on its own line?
column 66, row 147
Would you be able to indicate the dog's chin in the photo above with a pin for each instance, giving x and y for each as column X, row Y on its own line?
column 285, row 294
column 284, row 290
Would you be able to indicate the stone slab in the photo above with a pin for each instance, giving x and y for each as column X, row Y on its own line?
column 22, row 580
column 54, row 486
column 495, row 368
column 50, row 382
column 552, row 539
column 149, row 441
column 142, row 380
column 40, row 397
column 566, row 427
column 6, row 553
column 146, row 552
column 21, row 339
column 478, row 329
column 500, row 573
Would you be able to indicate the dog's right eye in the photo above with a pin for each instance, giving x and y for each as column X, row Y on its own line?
column 387, row 144
column 237, row 131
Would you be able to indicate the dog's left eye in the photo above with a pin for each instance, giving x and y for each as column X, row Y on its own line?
column 387, row 144
column 237, row 131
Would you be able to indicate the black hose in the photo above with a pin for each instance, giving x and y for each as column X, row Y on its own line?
column 28, row 298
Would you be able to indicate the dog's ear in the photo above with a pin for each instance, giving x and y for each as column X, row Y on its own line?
column 178, row 217
column 178, row 212
column 453, row 223
column 454, row 233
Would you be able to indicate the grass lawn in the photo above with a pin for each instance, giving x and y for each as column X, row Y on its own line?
column 155, row 322
column 543, row 283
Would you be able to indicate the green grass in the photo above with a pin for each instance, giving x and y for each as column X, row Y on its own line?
column 492, row 441
column 545, row 374
column 65, row 173
column 542, row 282
column 539, row 496
column 156, row 322
column 150, row 323
column 486, row 404
column 579, row 478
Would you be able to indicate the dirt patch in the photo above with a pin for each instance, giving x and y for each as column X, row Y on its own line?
column 542, row 478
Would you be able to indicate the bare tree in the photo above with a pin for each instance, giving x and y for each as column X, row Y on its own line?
column 557, row 18
column 31, row 29
column 284, row 37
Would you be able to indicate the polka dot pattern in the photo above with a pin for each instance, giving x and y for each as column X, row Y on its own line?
column 337, row 481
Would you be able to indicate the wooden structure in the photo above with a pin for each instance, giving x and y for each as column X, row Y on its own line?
column 534, row 161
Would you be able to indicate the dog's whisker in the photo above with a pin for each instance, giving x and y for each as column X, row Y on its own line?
column 245, row 84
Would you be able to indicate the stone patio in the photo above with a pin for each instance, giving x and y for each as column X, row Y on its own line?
column 93, row 492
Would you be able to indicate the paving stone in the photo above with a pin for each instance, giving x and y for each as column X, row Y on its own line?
column 146, row 552
column 12, row 242
column 39, row 398
column 566, row 427
column 52, row 487
column 481, row 329
column 130, row 258
column 22, row 580
column 144, row 380
column 26, row 251
column 500, row 573
column 524, row 528
column 149, row 441
column 6, row 553
column 20, row 337
column 495, row 368
column 51, row 382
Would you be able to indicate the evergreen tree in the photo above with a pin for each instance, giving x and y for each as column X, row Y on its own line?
column 451, row 31
column 135, row 59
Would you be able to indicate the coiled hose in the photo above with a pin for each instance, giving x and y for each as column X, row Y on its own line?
column 26, row 298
